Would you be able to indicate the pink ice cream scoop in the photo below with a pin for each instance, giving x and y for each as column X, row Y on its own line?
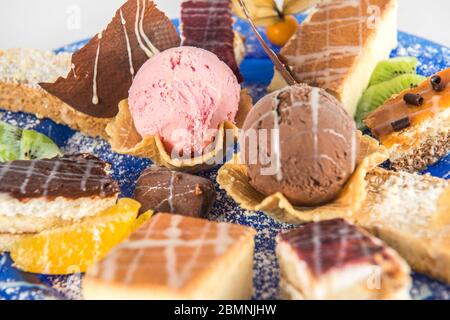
column 182, row 95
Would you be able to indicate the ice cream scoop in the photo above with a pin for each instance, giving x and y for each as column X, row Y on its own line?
column 299, row 141
column 182, row 95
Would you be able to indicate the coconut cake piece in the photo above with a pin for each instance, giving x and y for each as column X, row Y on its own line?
column 177, row 257
column 414, row 125
column 334, row 259
column 411, row 213
column 339, row 45
column 38, row 195
column 21, row 72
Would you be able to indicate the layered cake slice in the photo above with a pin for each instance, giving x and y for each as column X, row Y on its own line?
column 208, row 24
column 339, row 46
column 336, row 260
column 177, row 257
column 411, row 213
column 39, row 195
column 415, row 124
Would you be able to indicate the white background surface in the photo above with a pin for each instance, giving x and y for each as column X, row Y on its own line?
column 48, row 24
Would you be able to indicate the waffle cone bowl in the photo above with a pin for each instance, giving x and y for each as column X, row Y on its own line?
column 233, row 178
column 124, row 139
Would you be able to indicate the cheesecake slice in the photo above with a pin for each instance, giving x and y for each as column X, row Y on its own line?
column 416, row 133
column 176, row 257
column 339, row 45
column 336, row 260
column 39, row 195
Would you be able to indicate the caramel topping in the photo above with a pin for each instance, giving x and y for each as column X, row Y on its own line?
column 397, row 109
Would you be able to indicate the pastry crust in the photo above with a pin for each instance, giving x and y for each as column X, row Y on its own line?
column 21, row 97
column 23, row 69
column 233, row 178
column 412, row 214
column 124, row 139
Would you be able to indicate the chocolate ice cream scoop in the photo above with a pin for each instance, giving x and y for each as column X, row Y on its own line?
column 162, row 190
column 308, row 149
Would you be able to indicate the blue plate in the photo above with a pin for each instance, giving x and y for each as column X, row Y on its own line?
column 257, row 71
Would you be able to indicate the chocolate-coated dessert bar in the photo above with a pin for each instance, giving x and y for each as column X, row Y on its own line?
column 336, row 260
column 37, row 195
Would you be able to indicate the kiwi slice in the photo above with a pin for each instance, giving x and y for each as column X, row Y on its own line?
column 9, row 142
column 389, row 69
column 378, row 94
column 34, row 145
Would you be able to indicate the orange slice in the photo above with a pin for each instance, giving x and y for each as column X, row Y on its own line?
column 74, row 248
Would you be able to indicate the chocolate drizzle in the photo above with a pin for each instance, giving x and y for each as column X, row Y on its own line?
column 332, row 244
column 103, row 70
column 282, row 68
column 69, row 176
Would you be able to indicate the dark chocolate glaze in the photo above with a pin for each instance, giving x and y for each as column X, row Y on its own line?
column 162, row 190
column 332, row 244
column 113, row 77
column 71, row 177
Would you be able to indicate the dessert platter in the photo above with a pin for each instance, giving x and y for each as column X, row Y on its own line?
column 242, row 151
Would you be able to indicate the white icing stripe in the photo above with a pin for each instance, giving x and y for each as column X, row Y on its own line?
column 6, row 167
column 127, row 39
column 86, row 176
column 51, row 176
column 137, row 32
column 315, row 110
column 30, row 169
column 95, row 99
column 74, row 71
column 187, row 267
column 223, row 238
column 173, row 234
column 276, row 141
column 137, row 257
column 150, row 45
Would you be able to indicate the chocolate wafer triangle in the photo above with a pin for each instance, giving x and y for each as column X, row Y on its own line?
column 103, row 70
